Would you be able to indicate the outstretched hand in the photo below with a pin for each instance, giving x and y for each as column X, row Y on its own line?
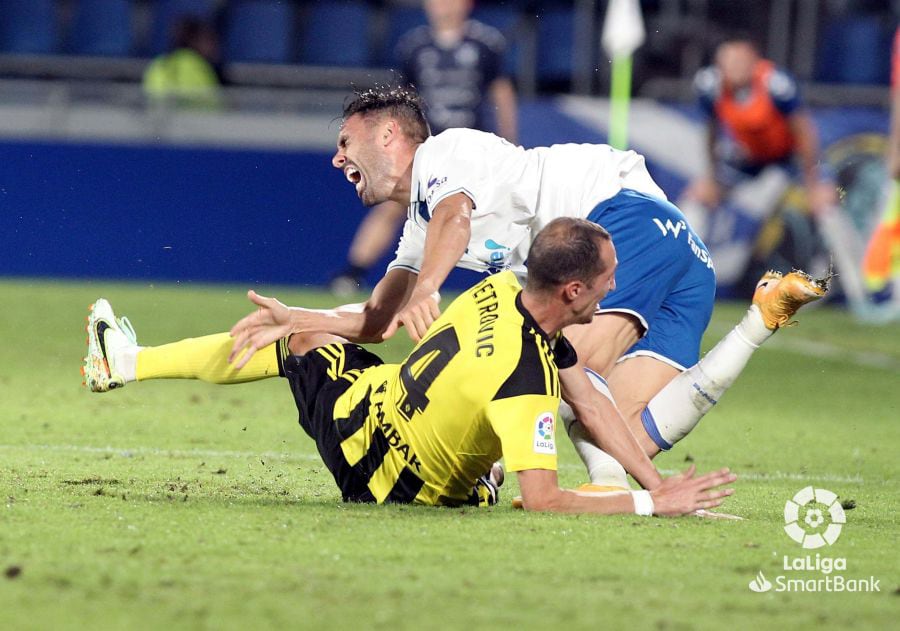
column 418, row 314
column 268, row 324
column 683, row 493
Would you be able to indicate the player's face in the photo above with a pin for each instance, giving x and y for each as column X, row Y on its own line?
column 602, row 284
column 447, row 12
column 736, row 61
column 362, row 159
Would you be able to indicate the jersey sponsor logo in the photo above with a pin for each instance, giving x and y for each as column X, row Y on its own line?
column 675, row 229
column 499, row 252
column 395, row 440
column 544, row 439
column 433, row 186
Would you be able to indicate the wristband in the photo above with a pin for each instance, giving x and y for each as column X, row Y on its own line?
column 643, row 503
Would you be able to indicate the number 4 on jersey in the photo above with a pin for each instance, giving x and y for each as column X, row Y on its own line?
column 429, row 360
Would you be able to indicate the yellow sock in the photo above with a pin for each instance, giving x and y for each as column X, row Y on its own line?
column 206, row 358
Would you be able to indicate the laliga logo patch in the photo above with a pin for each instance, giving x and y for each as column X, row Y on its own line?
column 543, row 434
column 810, row 532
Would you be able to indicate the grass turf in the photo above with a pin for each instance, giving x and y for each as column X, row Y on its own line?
column 186, row 505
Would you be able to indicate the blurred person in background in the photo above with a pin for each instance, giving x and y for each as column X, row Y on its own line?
column 189, row 74
column 456, row 64
column 758, row 135
column 882, row 257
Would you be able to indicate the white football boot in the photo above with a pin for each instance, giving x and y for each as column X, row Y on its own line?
column 107, row 337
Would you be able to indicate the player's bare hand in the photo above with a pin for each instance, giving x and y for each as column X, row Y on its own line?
column 418, row 314
column 685, row 493
column 268, row 324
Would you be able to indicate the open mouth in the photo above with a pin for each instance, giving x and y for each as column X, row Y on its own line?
column 354, row 176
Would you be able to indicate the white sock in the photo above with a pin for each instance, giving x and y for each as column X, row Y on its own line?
column 125, row 360
column 603, row 469
column 678, row 407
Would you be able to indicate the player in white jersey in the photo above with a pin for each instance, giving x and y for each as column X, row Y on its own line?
column 515, row 192
column 477, row 201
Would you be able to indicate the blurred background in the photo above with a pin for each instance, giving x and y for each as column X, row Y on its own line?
column 122, row 156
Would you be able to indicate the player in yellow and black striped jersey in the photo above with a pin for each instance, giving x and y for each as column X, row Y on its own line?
column 483, row 384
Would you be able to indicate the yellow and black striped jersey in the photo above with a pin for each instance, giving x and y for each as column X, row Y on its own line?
column 483, row 383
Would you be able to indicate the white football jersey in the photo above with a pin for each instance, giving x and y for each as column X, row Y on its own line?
column 515, row 192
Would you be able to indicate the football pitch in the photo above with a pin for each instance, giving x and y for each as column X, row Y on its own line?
column 184, row 505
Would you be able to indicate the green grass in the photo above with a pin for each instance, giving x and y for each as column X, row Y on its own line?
column 186, row 505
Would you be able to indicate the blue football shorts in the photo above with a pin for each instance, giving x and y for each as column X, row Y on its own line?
column 665, row 276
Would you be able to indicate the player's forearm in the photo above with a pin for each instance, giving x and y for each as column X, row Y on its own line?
column 448, row 236
column 360, row 323
column 565, row 501
column 352, row 322
column 605, row 425
column 611, row 433
column 541, row 492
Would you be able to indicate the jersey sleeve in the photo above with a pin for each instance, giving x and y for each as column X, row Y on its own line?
column 784, row 91
column 452, row 166
column 411, row 250
column 526, row 427
column 564, row 355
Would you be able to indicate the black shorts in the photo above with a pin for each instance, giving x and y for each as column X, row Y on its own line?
column 316, row 382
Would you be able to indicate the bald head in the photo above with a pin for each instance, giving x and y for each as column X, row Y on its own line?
column 566, row 249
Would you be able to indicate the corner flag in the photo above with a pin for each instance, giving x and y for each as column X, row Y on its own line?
column 623, row 33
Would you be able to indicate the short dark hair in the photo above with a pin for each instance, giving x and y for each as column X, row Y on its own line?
column 736, row 37
column 566, row 249
column 400, row 102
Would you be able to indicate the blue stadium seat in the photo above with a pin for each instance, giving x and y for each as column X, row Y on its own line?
column 259, row 31
column 29, row 27
column 855, row 50
column 101, row 27
column 167, row 12
column 555, row 29
column 336, row 33
column 401, row 20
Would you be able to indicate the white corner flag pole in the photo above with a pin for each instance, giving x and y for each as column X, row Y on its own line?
column 623, row 33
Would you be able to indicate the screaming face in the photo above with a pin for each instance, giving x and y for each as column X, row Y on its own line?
column 363, row 160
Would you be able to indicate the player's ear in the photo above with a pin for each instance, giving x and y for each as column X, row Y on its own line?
column 572, row 290
column 389, row 131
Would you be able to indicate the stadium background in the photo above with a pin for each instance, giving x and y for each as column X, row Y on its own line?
column 186, row 505
column 220, row 195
